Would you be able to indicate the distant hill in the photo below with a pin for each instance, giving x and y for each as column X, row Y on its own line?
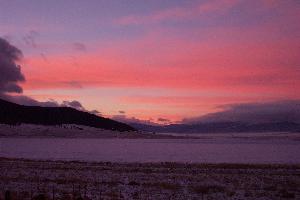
column 221, row 127
column 11, row 113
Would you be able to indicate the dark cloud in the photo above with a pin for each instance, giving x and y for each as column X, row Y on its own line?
column 79, row 46
column 44, row 57
column 132, row 120
column 95, row 112
column 27, row 101
column 8, row 38
column 74, row 104
column 11, row 75
column 9, row 69
column 74, row 84
column 122, row 117
column 78, row 106
column 122, row 112
column 288, row 110
column 30, row 39
column 163, row 120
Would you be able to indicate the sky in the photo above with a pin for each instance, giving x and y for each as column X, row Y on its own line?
column 160, row 61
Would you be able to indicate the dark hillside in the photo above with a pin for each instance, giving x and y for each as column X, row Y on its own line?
column 11, row 113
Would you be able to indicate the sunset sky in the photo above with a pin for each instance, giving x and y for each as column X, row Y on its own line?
column 156, row 60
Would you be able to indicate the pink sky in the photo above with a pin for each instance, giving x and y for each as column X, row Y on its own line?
column 170, row 60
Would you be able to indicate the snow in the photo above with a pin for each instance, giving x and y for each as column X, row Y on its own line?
column 202, row 150
column 138, row 169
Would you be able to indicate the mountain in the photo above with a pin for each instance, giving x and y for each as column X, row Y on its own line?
column 222, row 127
column 11, row 113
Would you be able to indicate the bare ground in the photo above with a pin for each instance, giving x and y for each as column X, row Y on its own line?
column 29, row 179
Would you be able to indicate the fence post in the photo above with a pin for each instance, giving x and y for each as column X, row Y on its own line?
column 7, row 195
column 53, row 193
column 79, row 187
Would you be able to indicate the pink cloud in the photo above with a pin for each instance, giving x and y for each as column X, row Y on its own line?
column 230, row 61
column 253, row 63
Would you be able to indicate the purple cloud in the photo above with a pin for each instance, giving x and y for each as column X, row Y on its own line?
column 288, row 110
column 79, row 46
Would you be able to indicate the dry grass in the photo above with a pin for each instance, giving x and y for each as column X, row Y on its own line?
column 26, row 179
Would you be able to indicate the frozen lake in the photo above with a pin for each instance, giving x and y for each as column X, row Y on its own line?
column 209, row 150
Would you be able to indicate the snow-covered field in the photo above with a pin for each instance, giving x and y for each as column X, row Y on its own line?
column 63, row 131
column 71, row 131
column 64, row 180
column 73, row 142
column 131, row 165
column 202, row 150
